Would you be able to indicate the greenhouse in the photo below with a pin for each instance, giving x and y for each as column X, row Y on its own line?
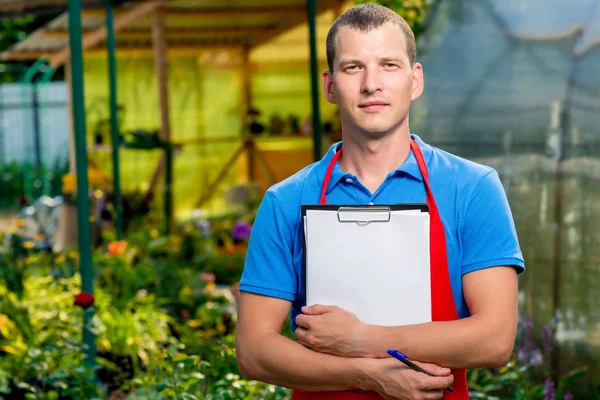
column 138, row 138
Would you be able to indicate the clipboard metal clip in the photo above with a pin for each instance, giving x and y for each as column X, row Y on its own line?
column 359, row 214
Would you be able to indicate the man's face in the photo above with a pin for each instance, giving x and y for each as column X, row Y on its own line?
column 373, row 83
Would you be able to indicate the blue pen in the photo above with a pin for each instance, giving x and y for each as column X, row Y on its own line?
column 404, row 358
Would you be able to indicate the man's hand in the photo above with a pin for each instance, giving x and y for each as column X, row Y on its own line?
column 332, row 330
column 393, row 380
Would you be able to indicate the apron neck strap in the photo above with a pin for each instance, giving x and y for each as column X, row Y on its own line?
column 328, row 174
column 414, row 146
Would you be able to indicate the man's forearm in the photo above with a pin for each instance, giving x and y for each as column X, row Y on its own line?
column 467, row 343
column 281, row 361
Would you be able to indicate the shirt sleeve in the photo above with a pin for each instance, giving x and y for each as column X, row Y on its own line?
column 268, row 269
column 489, row 237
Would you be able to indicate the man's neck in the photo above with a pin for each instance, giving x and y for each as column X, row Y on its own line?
column 371, row 160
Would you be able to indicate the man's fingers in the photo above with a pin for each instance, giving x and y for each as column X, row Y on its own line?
column 301, row 333
column 303, row 321
column 302, row 337
column 317, row 309
column 434, row 369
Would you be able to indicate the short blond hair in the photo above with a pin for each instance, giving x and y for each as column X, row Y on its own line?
column 365, row 17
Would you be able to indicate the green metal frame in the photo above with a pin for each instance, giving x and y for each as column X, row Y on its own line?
column 114, row 120
column 83, row 205
column 314, row 80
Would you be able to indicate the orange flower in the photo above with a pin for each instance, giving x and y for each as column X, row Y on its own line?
column 116, row 248
column 69, row 183
column 95, row 177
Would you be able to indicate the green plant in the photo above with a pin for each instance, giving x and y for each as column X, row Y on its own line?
column 227, row 266
column 11, row 274
column 526, row 376
column 42, row 343
column 181, row 376
column 122, row 270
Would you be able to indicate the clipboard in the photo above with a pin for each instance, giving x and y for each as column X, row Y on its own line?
column 371, row 260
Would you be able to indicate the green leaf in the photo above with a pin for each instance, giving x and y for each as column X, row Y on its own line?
column 158, row 243
column 179, row 357
column 197, row 375
column 52, row 395
column 574, row 375
column 162, row 386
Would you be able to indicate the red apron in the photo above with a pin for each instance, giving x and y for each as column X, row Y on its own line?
column 442, row 299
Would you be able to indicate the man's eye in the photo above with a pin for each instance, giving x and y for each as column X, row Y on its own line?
column 351, row 68
column 391, row 66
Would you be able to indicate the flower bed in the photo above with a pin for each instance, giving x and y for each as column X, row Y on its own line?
column 164, row 318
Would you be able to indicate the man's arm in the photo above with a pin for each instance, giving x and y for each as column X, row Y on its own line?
column 485, row 339
column 264, row 354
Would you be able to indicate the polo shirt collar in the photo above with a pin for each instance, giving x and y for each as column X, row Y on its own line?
column 409, row 167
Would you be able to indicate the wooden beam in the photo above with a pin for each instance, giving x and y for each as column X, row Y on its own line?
column 92, row 39
column 159, row 42
column 171, row 50
column 24, row 55
column 246, row 81
column 291, row 21
column 219, row 12
column 172, row 34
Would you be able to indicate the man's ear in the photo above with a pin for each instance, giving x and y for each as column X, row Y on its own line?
column 327, row 79
column 418, row 82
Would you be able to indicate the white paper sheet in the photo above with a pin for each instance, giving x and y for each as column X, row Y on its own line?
column 380, row 271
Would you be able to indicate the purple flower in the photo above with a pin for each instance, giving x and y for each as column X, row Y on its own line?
column 204, row 226
column 568, row 396
column 241, row 231
column 527, row 352
column 547, row 339
column 527, row 324
column 549, row 393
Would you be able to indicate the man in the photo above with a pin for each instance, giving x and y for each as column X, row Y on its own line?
column 475, row 257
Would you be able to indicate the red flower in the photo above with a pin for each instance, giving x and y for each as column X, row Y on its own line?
column 84, row 300
column 184, row 313
column 208, row 277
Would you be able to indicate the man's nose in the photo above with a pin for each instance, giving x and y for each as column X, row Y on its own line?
column 372, row 81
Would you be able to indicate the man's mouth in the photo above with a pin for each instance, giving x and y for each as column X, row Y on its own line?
column 373, row 106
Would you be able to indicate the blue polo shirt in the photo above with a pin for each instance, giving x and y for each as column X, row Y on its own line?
column 479, row 227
